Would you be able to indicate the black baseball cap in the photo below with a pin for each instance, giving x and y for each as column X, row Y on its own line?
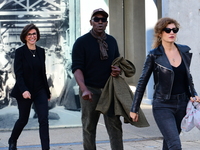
column 99, row 11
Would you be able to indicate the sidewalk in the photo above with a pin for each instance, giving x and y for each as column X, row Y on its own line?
column 71, row 138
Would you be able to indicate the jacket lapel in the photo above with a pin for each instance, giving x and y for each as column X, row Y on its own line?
column 27, row 56
column 186, row 56
column 40, row 54
column 161, row 58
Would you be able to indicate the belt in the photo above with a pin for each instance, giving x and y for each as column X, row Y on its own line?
column 179, row 96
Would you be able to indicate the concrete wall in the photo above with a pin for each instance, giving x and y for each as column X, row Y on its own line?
column 116, row 22
column 135, row 35
column 187, row 13
column 127, row 25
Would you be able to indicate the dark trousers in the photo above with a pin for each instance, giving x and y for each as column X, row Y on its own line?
column 168, row 116
column 40, row 101
column 90, row 119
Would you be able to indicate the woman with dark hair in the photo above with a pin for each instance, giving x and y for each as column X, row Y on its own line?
column 173, row 87
column 31, row 86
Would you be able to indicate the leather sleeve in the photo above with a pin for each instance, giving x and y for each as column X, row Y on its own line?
column 192, row 89
column 144, row 78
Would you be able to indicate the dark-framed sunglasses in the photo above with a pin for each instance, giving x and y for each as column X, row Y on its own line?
column 96, row 19
column 168, row 30
column 31, row 34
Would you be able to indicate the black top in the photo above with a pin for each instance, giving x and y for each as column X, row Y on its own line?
column 86, row 57
column 38, row 80
column 180, row 84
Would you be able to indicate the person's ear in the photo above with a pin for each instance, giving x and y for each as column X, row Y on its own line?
column 91, row 22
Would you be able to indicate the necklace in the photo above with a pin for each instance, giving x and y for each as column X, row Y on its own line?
column 33, row 52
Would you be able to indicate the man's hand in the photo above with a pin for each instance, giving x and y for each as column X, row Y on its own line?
column 115, row 71
column 87, row 95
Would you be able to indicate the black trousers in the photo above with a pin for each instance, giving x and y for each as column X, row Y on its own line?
column 90, row 118
column 40, row 101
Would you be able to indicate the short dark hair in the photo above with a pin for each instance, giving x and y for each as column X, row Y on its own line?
column 25, row 31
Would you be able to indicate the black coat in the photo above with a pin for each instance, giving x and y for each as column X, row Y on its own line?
column 24, row 71
column 163, row 74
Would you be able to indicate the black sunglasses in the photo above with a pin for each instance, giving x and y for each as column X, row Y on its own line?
column 168, row 30
column 96, row 19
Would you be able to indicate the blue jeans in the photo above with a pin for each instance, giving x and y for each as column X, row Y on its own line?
column 168, row 116
column 90, row 119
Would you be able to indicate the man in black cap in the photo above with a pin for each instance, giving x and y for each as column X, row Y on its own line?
column 92, row 57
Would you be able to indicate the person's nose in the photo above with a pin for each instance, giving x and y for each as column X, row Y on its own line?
column 100, row 21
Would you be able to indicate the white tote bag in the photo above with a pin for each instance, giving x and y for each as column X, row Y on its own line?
column 197, row 114
column 192, row 117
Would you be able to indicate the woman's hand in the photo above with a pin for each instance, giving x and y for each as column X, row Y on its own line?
column 196, row 99
column 134, row 116
column 26, row 95
column 49, row 98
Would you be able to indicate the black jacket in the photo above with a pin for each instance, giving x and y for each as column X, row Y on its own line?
column 163, row 74
column 24, row 71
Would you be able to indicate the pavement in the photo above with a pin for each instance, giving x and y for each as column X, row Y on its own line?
column 70, row 138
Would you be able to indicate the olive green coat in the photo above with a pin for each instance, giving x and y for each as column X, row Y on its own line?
column 117, row 96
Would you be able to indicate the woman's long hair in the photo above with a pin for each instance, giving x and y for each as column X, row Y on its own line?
column 158, row 29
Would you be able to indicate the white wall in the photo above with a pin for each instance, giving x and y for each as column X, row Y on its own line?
column 86, row 9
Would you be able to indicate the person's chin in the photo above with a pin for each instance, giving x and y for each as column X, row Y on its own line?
column 32, row 43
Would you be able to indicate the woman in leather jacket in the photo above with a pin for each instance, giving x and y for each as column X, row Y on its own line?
column 173, row 84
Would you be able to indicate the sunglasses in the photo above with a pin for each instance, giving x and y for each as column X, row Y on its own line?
column 168, row 30
column 96, row 19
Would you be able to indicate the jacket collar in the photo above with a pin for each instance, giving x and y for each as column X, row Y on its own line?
column 182, row 48
column 162, row 58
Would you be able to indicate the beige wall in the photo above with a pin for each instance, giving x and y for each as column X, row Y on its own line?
column 116, row 23
column 127, row 25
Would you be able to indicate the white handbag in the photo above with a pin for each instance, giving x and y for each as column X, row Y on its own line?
column 192, row 117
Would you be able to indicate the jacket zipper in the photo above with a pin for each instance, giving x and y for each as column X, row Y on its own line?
column 172, row 79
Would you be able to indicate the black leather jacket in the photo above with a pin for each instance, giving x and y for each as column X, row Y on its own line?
column 163, row 74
